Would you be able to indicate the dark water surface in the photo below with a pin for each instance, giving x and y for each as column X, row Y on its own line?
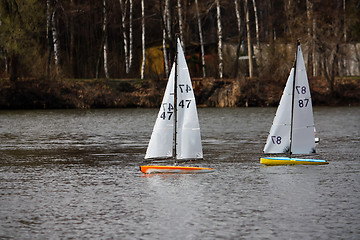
column 75, row 174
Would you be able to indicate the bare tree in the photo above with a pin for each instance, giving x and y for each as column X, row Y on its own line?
column 130, row 35
column 76, row 31
column 127, row 43
column 72, row 40
column 56, row 40
column 219, row 31
column 201, row 39
column 256, row 24
column 166, row 29
column 288, row 7
column 344, row 12
column 105, row 49
column 168, row 19
column 143, row 39
column 329, row 39
column 238, row 18
column 48, row 37
column 179, row 8
column 248, row 38
column 311, row 42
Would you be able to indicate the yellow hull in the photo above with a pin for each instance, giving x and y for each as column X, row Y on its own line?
column 275, row 161
column 174, row 169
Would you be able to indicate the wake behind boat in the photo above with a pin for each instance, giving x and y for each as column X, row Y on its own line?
column 176, row 133
column 292, row 130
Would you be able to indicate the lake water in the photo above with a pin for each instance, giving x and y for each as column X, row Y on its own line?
column 75, row 174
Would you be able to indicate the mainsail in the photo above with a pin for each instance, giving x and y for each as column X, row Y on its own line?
column 188, row 130
column 188, row 138
column 303, row 137
column 293, row 126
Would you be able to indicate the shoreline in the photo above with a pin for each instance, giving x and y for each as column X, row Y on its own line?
column 135, row 93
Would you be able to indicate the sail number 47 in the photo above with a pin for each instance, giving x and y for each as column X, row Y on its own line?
column 169, row 109
column 184, row 88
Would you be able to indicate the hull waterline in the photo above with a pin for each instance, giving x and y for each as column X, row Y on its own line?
column 275, row 161
column 174, row 169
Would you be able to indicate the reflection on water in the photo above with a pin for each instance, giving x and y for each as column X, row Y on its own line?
column 75, row 174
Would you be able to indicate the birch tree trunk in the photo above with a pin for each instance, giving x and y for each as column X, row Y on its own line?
column 201, row 40
column 48, row 38
column 143, row 39
column 311, row 31
column 55, row 41
column 168, row 25
column 344, row 60
column 123, row 17
column 3, row 52
column 238, row 18
column 6, row 66
column 218, row 18
column 310, row 38
column 166, row 64
column 72, row 42
column 105, row 49
column 248, row 38
column 270, row 24
column 314, row 56
column 237, row 12
column 289, row 15
column 165, row 33
column 256, row 25
column 344, row 12
column 168, row 19
column 179, row 8
column 130, row 35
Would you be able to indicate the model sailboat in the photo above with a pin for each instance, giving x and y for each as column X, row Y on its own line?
column 176, row 133
column 293, row 126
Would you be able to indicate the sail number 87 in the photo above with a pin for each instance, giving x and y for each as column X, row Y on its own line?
column 276, row 139
column 300, row 89
column 303, row 103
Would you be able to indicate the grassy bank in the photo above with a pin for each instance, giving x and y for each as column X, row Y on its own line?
column 116, row 93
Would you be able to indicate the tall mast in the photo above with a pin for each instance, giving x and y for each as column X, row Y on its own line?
column 175, row 99
column 293, row 96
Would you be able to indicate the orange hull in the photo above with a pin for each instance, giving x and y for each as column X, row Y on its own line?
column 174, row 169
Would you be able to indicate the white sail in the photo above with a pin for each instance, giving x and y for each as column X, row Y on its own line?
column 188, row 130
column 278, row 140
column 188, row 138
column 303, row 138
column 161, row 141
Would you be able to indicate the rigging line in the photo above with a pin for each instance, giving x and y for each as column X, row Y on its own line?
column 175, row 101
column 293, row 96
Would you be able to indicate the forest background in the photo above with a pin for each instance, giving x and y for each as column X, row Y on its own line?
column 117, row 53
